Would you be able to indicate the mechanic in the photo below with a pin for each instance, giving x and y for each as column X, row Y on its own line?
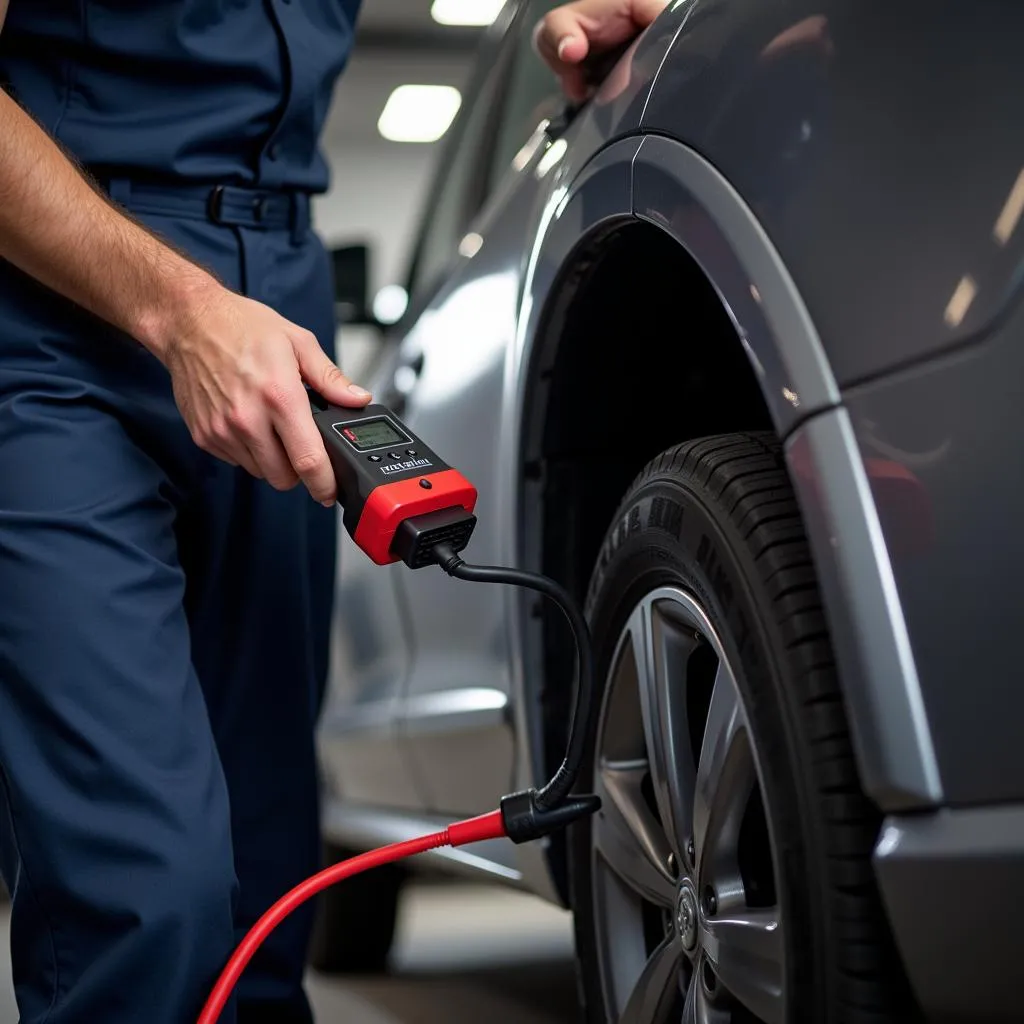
column 166, row 587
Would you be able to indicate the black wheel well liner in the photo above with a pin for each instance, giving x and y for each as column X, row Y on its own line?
column 635, row 352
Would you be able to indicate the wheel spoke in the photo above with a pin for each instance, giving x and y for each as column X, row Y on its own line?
column 747, row 952
column 666, row 728
column 628, row 837
column 655, row 998
column 698, row 1008
column 725, row 779
column 690, row 1006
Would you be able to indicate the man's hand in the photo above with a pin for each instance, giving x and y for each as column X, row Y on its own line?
column 236, row 366
column 238, row 370
column 570, row 34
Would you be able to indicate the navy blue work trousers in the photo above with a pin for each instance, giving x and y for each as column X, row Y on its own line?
column 163, row 645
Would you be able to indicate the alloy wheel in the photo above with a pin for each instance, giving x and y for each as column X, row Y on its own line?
column 687, row 917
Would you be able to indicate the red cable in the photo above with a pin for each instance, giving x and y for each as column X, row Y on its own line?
column 474, row 830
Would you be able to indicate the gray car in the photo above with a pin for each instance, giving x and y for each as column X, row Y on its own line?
column 733, row 352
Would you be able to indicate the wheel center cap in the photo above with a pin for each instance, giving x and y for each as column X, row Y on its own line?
column 686, row 917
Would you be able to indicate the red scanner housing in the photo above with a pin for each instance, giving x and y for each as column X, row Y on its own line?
column 390, row 504
column 385, row 475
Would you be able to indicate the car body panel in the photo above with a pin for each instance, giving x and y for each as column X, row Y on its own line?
column 458, row 639
column 962, row 956
column 953, row 532
column 361, row 754
column 851, row 129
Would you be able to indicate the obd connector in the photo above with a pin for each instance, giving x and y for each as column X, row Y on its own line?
column 417, row 537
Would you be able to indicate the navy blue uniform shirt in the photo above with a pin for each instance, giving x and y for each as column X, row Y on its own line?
column 219, row 91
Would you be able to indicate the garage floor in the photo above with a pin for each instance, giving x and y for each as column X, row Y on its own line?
column 463, row 953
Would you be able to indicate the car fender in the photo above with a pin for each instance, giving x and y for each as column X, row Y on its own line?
column 677, row 189
column 673, row 187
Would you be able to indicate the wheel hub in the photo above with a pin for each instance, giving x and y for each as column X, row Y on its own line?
column 686, row 918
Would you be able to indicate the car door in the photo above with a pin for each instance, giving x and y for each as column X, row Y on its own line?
column 363, row 753
column 466, row 285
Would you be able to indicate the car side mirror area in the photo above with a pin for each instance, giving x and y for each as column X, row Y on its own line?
column 350, row 265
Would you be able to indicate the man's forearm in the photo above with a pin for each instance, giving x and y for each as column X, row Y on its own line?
column 57, row 228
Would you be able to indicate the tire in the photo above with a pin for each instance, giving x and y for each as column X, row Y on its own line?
column 355, row 921
column 707, row 566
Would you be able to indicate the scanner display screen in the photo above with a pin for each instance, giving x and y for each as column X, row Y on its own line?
column 368, row 434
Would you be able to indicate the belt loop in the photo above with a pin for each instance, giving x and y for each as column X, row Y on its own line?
column 120, row 191
column 300, row 217
column 215, row 205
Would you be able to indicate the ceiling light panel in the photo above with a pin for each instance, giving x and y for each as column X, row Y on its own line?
column 477, row 13
column 419, row 113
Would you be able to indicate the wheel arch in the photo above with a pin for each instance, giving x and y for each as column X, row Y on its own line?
column 651, row 211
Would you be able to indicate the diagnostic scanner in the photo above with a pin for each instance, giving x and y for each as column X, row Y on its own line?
column 400, row 499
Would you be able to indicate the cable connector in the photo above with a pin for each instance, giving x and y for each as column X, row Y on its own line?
column 525, row 820
column 417, row 538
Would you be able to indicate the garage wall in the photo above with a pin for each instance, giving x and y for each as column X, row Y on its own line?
column 376, row 196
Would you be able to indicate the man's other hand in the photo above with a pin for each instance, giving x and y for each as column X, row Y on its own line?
column 238, row 370
column 570, row 34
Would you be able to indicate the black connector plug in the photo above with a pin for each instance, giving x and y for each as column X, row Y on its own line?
column 418, row 536
column 525, row 820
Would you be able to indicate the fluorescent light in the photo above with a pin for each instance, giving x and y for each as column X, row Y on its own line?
column 419, row 113
column 466, row 12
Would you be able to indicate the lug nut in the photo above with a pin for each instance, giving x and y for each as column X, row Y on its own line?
column 710, row 901
column 690, row 852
